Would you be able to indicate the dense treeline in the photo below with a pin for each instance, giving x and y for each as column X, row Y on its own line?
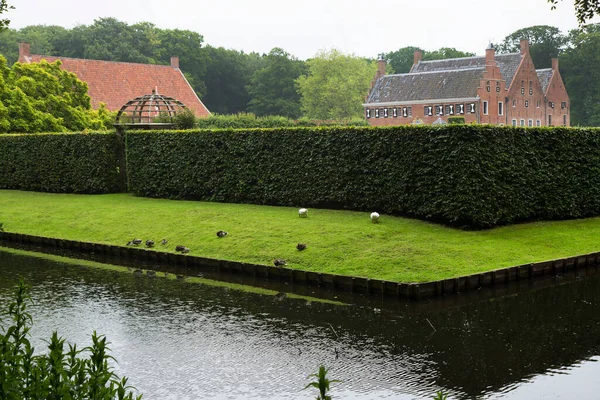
column 331, row 85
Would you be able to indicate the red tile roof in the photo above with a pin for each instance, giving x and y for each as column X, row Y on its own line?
column 115, row 83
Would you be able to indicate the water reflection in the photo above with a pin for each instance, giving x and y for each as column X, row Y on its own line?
column 177, row 340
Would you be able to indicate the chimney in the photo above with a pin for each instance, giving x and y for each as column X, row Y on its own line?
column 418, row 57
column 175, row 62
column 24, row 51
column 490, row 52
column 381, row 63
column 555, row 64
column 524, row 46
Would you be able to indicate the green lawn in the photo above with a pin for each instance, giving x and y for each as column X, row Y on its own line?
column 341, row 242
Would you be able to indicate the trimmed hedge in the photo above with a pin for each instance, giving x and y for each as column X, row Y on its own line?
column 59, row 163
column 462, row 175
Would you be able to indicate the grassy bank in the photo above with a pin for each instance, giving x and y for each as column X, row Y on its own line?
column 341, row 242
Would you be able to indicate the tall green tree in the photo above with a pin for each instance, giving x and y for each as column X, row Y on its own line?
column 335, row 86
column 545, row 43
column 445, row 52
column 579, row 69
column 4, row 7
column 584, row 9
column 272, row 88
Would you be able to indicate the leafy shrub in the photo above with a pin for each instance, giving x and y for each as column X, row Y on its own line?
column 463, row 175
column 456, row 120
column 185, row 119
column 248, row 120
column 59, row 163
column 59, row 374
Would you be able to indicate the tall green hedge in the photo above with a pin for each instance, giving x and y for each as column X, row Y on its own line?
column 463, row 175
column 59, row 163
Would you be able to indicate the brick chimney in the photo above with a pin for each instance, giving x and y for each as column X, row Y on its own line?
column 490, row 53
column 524, row 46
column 175, row 62
column 381, row 63
column 418, row 57
column 24, row 52
column 555, row 64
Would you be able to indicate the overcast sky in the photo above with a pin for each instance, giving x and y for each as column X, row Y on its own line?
column 364, row 28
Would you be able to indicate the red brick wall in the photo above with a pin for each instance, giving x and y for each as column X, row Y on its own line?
column 557, row 94
column 418, row 112
column 526, row 102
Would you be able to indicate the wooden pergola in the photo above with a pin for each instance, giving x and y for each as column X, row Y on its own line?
column 151, row 111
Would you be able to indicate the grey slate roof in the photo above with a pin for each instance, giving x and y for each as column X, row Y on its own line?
column 454, row 84
column 508, row 64
column 544, row 76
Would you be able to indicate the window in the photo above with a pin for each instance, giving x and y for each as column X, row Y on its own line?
column 531, row 92
column 368, row 113
column 551, row 104
column 500, row 108
column 471, row 109
column 538, row 104
column 563, row 104
column 428, row 110
column 377, row 113
column 565, row 120
column 487, row 87
column 404, row 112
column 530, row 88
column 385, row 113
column 526, row 103
column 549, row 120
column 522, row 87
column 530, row 122
column 450, row 109
column 409, row 111
column 439, row 110
column 522, row 122
column 395, row 114
column 460, row 108
column 514, row 122
column 485, row 108
column 514, row 103
column 538, row 123
column 498, row 87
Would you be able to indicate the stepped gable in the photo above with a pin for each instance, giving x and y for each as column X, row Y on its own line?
column 508, row 64
column 452, row 84
column 544, row 75
column 115, row 83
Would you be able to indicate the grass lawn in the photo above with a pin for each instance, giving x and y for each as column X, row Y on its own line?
column 342, row 242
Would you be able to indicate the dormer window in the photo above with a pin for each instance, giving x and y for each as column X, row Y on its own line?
column 450, row 109
column 377, row 113
column 428, row 110
column 404, row 112
column 368, row 113
column 439, row 110
column 460, row 108
column 385, row 113
column 471, row 109
column 395, row 112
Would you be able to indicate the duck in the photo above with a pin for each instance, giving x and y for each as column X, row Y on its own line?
column 185, row 250
column 180, row 248
column 135, row 242
column 149, row 243
column 301, row 246
column 221, row 234
column 280, row 263
column 164, row 242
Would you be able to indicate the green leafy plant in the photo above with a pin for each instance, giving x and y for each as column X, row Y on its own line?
column 59, row 374
column 321, row 383
column 185, row 119
column 440, row 395
column 456, row 120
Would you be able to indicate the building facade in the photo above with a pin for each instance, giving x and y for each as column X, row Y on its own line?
column 115, row 83
column 499, row 89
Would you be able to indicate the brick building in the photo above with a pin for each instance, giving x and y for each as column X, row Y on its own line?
column 115, row 83
column 499, row 89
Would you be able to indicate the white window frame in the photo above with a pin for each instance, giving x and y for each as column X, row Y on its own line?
column 404, row 112
column 500, row 108
column 514, row 122
column 460, row 109
column 368, row 113
column 439, row 110
column 530, row 122
column 522, row 122
column 377, row 113
column 538, row 123
column 395, row 112
column 385, row 113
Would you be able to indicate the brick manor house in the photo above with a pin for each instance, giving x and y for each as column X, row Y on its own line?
column 499, row 89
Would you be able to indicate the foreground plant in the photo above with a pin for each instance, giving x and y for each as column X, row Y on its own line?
column 59, row 374
column 321, row 383
column 440, row 395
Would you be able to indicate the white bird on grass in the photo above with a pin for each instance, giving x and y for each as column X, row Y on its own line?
column 303, row 213
column 375, row 217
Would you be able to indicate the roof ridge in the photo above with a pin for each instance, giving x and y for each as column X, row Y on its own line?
column 437, row 71
column 467, row 58
column 89, row 59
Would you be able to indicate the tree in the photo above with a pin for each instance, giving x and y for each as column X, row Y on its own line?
column 578, row 65
column 336, row 85
column 272, row 88
column 402, row 59
column 584, row 9
column 4, row 7
column 545, row 41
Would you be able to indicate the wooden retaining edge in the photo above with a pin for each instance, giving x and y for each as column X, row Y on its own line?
column 358, row 285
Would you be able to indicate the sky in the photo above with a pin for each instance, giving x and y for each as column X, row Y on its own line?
column 302, row 28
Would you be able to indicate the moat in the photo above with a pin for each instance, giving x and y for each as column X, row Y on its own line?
column 181, row 340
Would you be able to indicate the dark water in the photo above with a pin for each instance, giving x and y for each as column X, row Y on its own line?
column 178, row 340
